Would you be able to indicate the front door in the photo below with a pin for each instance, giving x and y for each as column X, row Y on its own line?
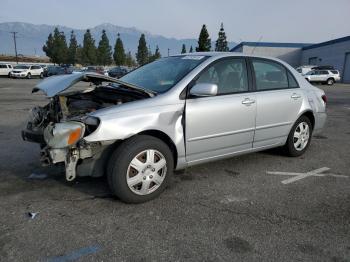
column 223, row 124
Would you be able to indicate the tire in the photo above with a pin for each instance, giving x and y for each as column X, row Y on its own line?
column 330, row 81
column 149, row 179
column 292, row 148
column 9, row 75
column 29, row 76
column 41, row 75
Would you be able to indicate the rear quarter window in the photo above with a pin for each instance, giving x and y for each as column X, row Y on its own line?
column 334, row 72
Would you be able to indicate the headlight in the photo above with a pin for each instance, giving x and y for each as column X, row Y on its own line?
column 62, row 135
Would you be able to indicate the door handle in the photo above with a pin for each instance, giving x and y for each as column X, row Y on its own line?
column 248, row 101
column 295, row 96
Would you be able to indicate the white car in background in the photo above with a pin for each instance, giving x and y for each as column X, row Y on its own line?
column 5, row 69
column 27, row 71
column 328, row 77
column 305, row 69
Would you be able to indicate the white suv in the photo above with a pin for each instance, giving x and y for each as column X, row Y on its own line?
column 328, row 77
column 5, row 69
column 27, row 71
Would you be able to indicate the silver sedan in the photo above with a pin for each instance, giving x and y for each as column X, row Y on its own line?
column 170, row 114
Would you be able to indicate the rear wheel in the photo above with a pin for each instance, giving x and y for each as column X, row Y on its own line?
column 41, row 75
column 330, row 81
column 140, row 169
column 299, row 137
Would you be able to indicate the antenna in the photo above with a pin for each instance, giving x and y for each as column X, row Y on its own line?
column 257, row 44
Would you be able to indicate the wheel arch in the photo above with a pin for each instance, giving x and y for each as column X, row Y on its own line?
column 310, row 115
column 165, row 138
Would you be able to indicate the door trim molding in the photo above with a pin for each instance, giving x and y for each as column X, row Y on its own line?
column 221, row 134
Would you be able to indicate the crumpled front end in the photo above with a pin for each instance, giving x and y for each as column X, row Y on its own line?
column 61, row 126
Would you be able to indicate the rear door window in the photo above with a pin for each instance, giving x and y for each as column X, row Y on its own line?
column 270, row 75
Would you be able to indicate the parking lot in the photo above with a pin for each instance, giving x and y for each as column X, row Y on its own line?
column 238, row 209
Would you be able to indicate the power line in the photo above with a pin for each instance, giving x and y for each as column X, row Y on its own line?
column 14, row 41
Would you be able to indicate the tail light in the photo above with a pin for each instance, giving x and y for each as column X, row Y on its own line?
column 324, row 98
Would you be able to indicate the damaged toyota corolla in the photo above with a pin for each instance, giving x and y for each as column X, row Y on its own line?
column 172, row 113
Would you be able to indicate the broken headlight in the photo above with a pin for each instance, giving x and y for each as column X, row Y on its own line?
column 61, row 135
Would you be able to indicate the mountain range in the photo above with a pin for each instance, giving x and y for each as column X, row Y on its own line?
column 31, row 38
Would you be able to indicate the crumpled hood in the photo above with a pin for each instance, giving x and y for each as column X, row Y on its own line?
column 56, row 84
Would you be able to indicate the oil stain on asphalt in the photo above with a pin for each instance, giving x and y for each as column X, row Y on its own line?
column 238, row 245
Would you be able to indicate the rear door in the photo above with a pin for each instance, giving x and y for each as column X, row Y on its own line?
column 223, row 124
column 279, row 100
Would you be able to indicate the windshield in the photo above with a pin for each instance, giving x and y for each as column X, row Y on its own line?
column 310, row 72
column 21, row 67
column 163, row 74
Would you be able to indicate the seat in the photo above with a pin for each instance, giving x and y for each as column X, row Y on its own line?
column 230, row 84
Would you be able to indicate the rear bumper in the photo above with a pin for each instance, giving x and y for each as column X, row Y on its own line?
column 320, row 121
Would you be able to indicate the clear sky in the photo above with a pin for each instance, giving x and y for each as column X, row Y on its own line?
column 244, row 20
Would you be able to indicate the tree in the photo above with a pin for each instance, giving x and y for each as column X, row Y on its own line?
column 203, row 40
column 72, row 49
column 183, row 49
column 48, row 47
column 221, row 42
column 88, row 50
column 142, row 52
column 150, row 55
column 157, row 54
column 60, row 49
column 191, row 49
column 104, row 50
column 119, row 53
column 129, row 60
column 79, row 55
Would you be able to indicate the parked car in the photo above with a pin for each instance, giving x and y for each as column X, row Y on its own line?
column 5, row 69
column 54, row 70
column 27, row 71
column 117, row 72
column 305, row 69
column 173, row 113
column 57, row 70
column 328, row 77
column 97, row 69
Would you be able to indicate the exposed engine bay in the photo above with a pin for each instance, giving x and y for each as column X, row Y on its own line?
column 76, row 105
column 60, row 125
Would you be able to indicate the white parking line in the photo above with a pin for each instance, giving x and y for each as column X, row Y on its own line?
column 299, row 176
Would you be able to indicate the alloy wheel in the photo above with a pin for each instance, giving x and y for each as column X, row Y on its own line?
column 301, row 136
column 146, row 172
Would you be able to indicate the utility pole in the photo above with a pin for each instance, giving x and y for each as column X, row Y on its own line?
column 14, row 41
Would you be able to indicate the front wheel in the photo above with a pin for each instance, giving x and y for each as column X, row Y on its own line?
column 29, row 76
column 330, row 81
column 299, row 137
column 140, row 169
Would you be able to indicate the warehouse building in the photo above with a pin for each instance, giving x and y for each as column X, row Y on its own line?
column 334, row 53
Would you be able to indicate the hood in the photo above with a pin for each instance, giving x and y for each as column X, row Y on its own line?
column 57, row 84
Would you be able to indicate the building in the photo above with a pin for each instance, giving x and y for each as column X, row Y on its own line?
column 289, row 52
column 335, row 53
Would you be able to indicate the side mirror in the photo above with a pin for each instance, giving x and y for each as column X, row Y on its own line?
column 204, row 89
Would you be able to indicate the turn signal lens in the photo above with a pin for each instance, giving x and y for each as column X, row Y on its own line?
column 74, row 136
